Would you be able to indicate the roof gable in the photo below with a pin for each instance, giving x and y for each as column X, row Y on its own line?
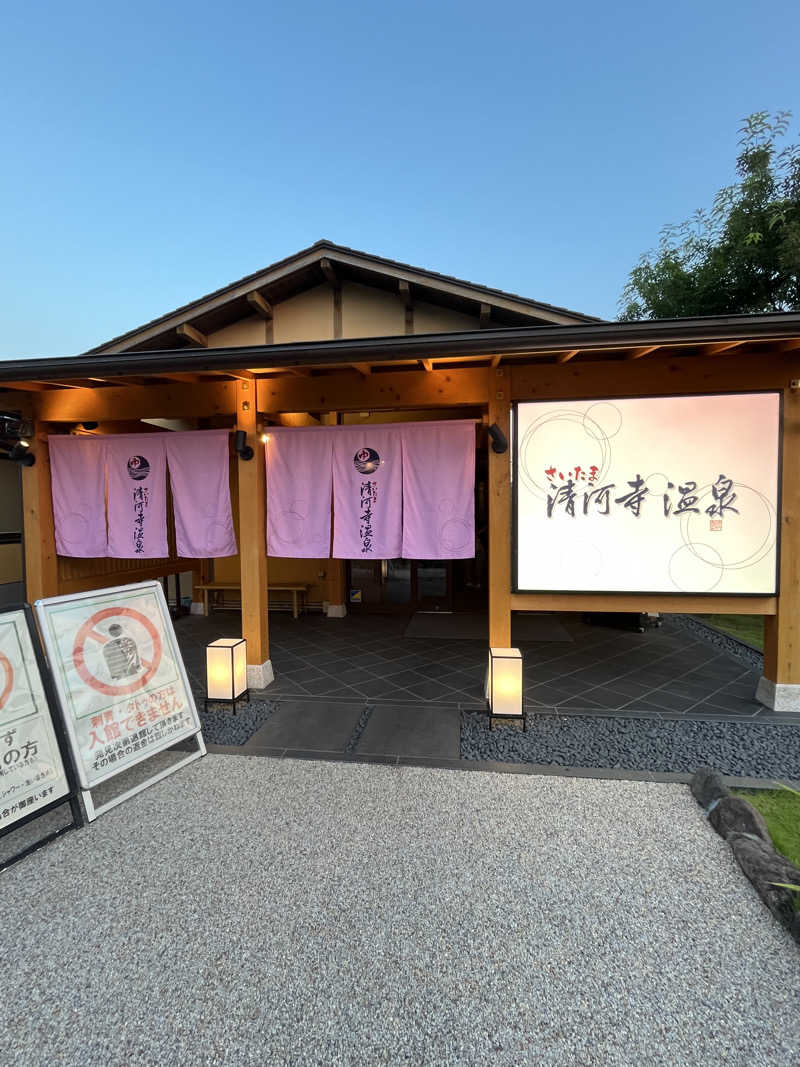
column 327, row 263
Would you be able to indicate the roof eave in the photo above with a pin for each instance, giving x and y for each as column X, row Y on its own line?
column 518, row 341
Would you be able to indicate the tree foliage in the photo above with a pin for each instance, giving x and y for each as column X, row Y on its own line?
column 742, row 256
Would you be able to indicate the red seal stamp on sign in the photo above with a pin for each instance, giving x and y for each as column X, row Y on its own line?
column 114, row 630
column 6, row 678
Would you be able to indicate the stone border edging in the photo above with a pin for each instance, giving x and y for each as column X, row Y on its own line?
column 744, row 828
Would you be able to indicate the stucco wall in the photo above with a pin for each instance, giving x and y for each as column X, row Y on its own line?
column 368, row 312
column 305, row 317
column 249, row 331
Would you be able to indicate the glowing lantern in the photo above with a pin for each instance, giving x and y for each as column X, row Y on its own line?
column 505, row 684
column 226, row 670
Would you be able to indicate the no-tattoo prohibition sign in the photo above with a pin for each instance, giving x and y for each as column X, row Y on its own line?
column 7, row 680
column 88, row 632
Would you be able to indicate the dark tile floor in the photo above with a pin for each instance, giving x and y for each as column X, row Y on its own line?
column 663, row 673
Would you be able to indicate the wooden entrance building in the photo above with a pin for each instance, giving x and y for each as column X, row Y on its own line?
column 332, row 335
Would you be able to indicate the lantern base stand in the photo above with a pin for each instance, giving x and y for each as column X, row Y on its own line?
column 516, row 722
column 243, row 698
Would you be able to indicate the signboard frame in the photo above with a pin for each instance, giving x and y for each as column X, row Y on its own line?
column 711, row 594
column 194, row 731
column 62, row 744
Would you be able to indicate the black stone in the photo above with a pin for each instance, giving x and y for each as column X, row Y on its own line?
column 734, row 815
column 708, row 787
column 764, row 867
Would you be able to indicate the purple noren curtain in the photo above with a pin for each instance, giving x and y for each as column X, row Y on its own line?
column 137, row 496
column 199, row 472
column 299, row 492
column 78, row 468
column 367, row 493
column 439, row 490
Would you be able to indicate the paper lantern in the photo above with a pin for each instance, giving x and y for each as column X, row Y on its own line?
column 505, row 683
column 226, row 670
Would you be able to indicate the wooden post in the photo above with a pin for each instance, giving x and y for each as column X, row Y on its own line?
column 779, row 687
column 499, row 489
column 253, row 542
column 337, row 606
column 41, row 562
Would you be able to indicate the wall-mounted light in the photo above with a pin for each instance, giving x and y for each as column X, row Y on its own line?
column 505, row 684
column 226, row 671
column 20, row 453
column 264, row 438
column 243, row 450
column 499, row 440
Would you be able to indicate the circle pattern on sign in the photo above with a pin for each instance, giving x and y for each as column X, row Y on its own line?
column 8, row 678
column 138, row 468
column 709, row 556
column 89, row 632
column 599, row 424
column 366, row 460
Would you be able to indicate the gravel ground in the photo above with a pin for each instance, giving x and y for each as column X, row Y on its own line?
column 256, row 911
column 745, row 749
column 222, row 727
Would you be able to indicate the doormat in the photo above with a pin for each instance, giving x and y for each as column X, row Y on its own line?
column 474, row 626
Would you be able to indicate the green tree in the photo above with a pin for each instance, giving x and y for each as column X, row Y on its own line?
column 742, row 256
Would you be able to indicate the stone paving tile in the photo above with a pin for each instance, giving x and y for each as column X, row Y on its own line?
column 667, row 671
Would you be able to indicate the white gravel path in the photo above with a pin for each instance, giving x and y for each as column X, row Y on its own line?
column 257, row 911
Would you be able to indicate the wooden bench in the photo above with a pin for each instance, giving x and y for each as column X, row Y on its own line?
column 299, row 593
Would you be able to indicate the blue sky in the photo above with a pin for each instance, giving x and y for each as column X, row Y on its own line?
column 155, row 151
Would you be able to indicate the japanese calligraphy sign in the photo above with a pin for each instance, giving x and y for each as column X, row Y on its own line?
column 650, row 494
column 32, row 773
column 367, row 493
column 120, row 676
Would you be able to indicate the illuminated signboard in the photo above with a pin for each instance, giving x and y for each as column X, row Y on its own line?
column 648, row 495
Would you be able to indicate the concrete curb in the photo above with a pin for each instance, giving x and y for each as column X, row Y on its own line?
column 743, row 827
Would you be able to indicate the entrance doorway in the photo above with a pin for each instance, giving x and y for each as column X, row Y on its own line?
column 400, row 585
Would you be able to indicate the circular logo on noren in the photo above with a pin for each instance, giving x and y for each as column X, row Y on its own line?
column 366, row 460
column 138, row 468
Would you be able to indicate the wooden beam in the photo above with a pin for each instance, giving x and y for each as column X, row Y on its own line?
column 261, row 306
column 27, row 387
column 192, row 335
column 635, row 602
column 253, row 541
column 141, row 402
column 404, row 289
column 717, row 349
column 427, row 364
column 331, row 277
column 565, row 357
column 378, row 392
column 21, row 402
column 495, row 361
column 662, row 375
column 498, row 384
column 486, row 316
column 297, row 418
column 176, row 376
column 640, row 353
column 41, row 562
column 362, row 368
column 789, row 346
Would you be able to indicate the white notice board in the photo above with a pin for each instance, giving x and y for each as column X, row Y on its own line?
column 648, row 495
column 120, row 677
column 32, row 774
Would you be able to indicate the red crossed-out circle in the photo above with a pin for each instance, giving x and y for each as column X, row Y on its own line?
column 88, row 631
column 8, row 684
